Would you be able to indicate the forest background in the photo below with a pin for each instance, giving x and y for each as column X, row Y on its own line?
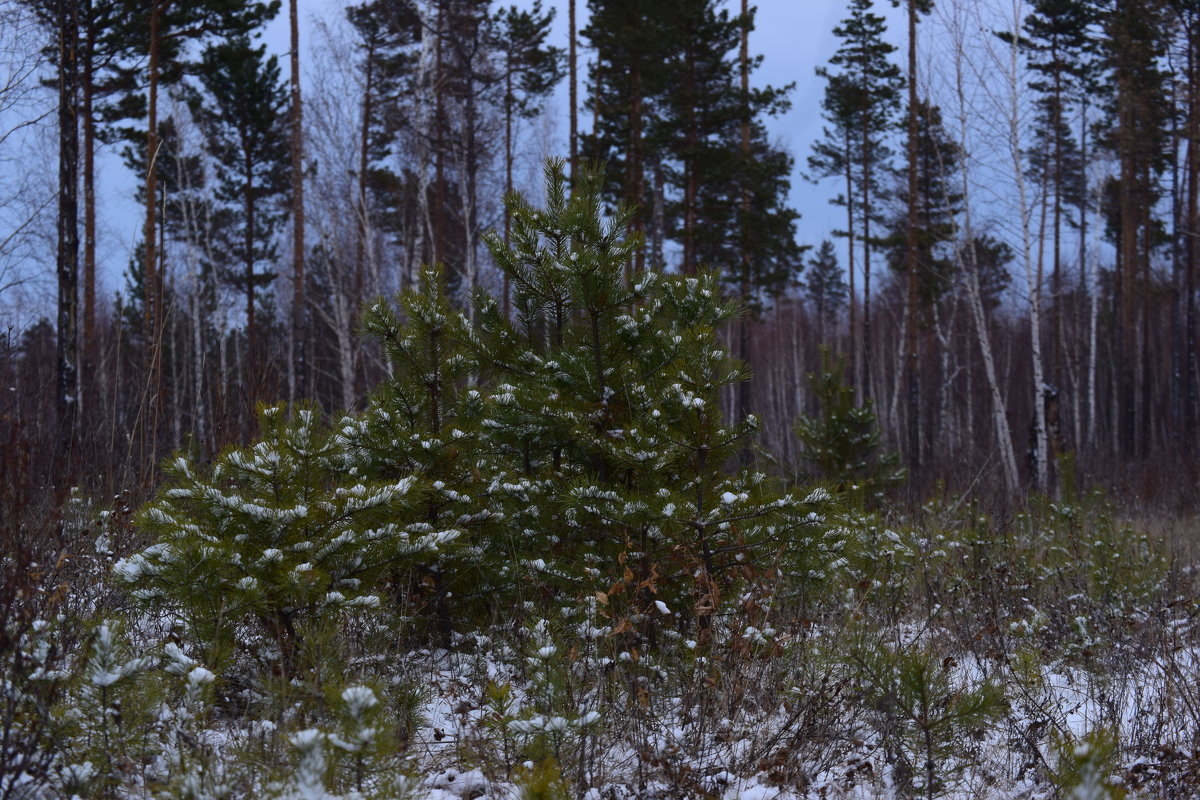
column 1009, row 266
column 285, row 513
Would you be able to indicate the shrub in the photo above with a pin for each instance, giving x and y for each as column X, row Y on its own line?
column 275, row 536
column 842, row 444
column 575, row 456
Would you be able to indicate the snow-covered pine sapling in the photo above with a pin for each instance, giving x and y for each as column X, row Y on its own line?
column 555, row 393
column 543, row 780
column 356, row 763
column 607, row 405
column 280, row 535
column 310, row 776
column 34, row 675
column 1084, row 766
column 552, row 725
column 361, row 737
column 193, row 773
column 925, row 710
column 499, row 708
column 109, row 715
column 427, row 419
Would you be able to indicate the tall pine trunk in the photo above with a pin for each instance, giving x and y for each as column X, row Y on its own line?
column 1192, row 230
column 744, row 234
column 67, row 20
column 362, row 212
column 470, row 195
column 658, row 216
column 298, row 363
column 572, row 66
column 1127, row 350
column 853, row 343
column 88, row 343
column 508, row 149
column 150, row 282
column 866, row 214
column 635, row 171
column 439, row 145
column 689, row 167
column 912, row 359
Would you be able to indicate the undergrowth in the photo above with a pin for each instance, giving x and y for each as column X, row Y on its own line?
column 533, row 567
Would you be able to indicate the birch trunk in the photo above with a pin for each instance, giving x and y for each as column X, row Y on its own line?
column 899, row 372
column 195, row 309
column 969, row 267
column 943, row 438
column 1032, row 271
column 1088, row 280
column 345, row 349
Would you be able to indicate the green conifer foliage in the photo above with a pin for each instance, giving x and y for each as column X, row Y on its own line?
column 669, row 114
column 274, row 535
column 1059, row 40
column 862, row 99
column 861, row 103
column 426, row 396
column 427, row 422
column 939, row 202
column 243, row 112
column 841, row 444
column 576, row 451
column 607, row 398
column 991, row 258
column 531, row 67
column 825, row 286
column 387, row 36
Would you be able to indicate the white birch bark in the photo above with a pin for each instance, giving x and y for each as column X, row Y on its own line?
column 959, row 23
column 199, row 429
column 1015, row 124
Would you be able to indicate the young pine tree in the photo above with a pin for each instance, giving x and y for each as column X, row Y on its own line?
column 841, row 444
column 276, row 536
column 577, row 451
column 427, row 422
column 606, row 400
column 825, row 287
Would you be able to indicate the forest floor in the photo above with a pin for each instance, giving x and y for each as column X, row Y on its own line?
column 1059, row 658
column 1054, row 654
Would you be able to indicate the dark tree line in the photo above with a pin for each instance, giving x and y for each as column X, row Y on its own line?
column 1060, row 336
